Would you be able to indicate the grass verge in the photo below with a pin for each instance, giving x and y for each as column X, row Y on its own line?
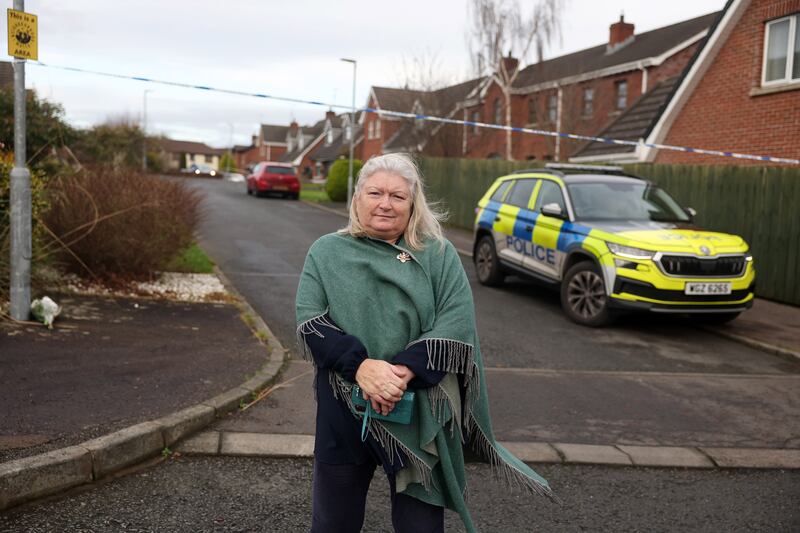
column 193, row 260
column 314, row 192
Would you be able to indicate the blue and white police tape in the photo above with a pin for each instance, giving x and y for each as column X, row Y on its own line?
column 575, row 136
column 431, row 118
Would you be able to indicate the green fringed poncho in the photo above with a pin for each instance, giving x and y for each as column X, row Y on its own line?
column 388, row 304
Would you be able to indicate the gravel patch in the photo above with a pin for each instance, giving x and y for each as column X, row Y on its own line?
column 176, row 286
column 188, row 287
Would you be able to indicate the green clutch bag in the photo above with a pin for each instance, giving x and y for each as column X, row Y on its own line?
column 401, row 414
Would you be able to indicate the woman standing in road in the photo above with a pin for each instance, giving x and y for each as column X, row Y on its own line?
column 384, row 305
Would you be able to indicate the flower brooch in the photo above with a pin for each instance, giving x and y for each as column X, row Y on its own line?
column 404, row 257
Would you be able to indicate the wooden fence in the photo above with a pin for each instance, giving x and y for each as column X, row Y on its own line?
column 762, row 204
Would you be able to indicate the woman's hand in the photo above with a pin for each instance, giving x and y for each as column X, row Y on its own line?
column 382, row 383
column 407, row 374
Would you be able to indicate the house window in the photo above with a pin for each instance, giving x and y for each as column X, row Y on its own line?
column 782, row 50
column 377, row 128
column 329, row 137
column 476, row 117
column 621, row 94
column 588, row 102
column 552, row 108
column 371, row 131
column 532, row 110
column 498, row 111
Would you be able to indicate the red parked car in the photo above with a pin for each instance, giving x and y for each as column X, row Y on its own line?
column 273, row 178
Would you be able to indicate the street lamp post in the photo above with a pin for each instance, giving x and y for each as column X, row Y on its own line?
column 144, row 130
column 352, row 133
column 230, row 148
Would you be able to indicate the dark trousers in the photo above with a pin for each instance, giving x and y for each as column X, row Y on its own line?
column 340, row 495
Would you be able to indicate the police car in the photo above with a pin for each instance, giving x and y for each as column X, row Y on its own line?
column 612, row 242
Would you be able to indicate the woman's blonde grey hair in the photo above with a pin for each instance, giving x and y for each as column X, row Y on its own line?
column 426, row 219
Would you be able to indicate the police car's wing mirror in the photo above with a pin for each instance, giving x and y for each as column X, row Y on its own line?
column 691, row 212
column 552, row 210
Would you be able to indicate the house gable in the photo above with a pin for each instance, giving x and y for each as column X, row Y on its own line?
column 722, row 103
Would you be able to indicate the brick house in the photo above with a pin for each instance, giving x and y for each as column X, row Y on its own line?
column 182, row 154
column 582, row 92
column 387, row 134
column 742, row 94
column 378, row 128
column 245, row 156
column 269, row 145
column 730, row 97
column 271, row 142
column 336, row 145
column 304, row 141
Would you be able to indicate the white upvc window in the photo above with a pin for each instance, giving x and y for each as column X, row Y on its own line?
column 371, row 130
column 552, row 108
column 782, row 51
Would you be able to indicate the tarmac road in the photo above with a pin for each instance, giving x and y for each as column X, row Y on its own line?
column 273, row 495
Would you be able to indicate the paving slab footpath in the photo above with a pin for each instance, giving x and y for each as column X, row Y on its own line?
column 133, row 376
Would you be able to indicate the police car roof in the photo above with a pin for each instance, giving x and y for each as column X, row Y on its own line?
column 586, row 177
column 599, row 178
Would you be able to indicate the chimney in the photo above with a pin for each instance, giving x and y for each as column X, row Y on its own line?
column 293, row 127
column 619, row 33
column 509, row 64
column 253, row 140
column 330, row 115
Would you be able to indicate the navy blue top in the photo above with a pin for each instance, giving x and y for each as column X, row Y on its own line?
column 338, row 436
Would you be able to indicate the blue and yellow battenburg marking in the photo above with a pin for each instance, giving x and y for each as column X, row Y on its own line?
column 548, row 240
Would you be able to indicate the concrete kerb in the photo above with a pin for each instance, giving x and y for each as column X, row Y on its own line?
column 29, row 478
column 233, row 443
column 44, row 474
column 787, row 354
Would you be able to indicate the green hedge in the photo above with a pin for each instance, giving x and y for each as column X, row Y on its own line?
column 336, row 184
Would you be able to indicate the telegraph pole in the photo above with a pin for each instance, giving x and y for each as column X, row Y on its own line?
column 20, row 200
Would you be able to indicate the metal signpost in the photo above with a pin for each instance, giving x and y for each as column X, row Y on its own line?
column 22, row 44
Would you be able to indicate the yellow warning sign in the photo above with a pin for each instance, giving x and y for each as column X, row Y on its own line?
column 23, row 41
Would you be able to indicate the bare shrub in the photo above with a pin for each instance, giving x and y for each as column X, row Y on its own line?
column 119, row 225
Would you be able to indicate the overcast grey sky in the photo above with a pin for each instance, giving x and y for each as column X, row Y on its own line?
column 270, row 46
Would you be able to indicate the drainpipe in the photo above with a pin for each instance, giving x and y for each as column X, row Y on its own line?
column 464, row 134
column 558, row 123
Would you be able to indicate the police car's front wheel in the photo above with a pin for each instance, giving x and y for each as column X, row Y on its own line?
column 487, row 265
column 583, row 295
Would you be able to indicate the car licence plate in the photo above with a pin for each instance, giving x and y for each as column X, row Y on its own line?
column 707, row 288
column 280, row 188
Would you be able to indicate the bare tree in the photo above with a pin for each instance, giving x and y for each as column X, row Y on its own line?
column 422, row 72
column 501, row 25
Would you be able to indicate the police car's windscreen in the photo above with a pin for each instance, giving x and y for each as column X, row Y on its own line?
column 624, row 201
